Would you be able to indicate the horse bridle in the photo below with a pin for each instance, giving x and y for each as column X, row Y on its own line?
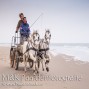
column 36, row 39
column 32, row 48
column 48, row 37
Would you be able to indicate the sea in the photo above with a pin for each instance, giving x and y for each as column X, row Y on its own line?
column 80, row 51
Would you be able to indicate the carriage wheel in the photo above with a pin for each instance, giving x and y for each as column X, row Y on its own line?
column 11, row 57
column 16, row 64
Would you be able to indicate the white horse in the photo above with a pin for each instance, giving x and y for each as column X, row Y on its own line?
column 30, row 49
column 44, row 54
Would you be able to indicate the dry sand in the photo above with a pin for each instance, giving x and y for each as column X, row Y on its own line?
column 65, row 73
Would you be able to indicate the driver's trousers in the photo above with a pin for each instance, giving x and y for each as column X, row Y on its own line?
column 22, row 39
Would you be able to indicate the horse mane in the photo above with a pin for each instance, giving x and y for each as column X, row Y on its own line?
column 34, row 33
column 47, row 30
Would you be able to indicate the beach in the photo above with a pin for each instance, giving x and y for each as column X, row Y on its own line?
column 65, row 73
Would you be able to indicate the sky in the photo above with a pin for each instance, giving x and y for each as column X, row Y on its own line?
column 68, row 20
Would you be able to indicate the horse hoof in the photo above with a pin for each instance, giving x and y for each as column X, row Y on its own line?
column 47, row 61
column 34, row 74
column 37, row 72
column 25, row 71
column 43, row 69
column 28, row 68
column 47, row 69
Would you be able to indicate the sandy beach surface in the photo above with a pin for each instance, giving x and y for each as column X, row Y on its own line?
column 65, row 73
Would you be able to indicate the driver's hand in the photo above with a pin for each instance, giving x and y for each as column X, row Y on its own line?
column 16, row 31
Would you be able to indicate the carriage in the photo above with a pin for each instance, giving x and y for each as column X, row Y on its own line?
column 16, row 54
column 36, row 54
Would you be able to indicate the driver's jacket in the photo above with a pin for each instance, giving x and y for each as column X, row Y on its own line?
column 24, row 29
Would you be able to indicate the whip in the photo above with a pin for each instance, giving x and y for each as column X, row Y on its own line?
column 36, row 20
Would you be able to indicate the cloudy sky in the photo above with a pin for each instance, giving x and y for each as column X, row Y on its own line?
column 68, row 20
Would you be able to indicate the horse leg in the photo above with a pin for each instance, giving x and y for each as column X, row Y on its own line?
column 25, row 63
column 47, row 62
column 37, row 69
column 34, row 61
column 42, row 62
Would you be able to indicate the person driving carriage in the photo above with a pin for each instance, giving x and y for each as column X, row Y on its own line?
column 24, row 30
column 21, row 15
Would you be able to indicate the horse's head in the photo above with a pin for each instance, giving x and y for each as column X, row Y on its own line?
column 47, row 36
column 35, row 39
